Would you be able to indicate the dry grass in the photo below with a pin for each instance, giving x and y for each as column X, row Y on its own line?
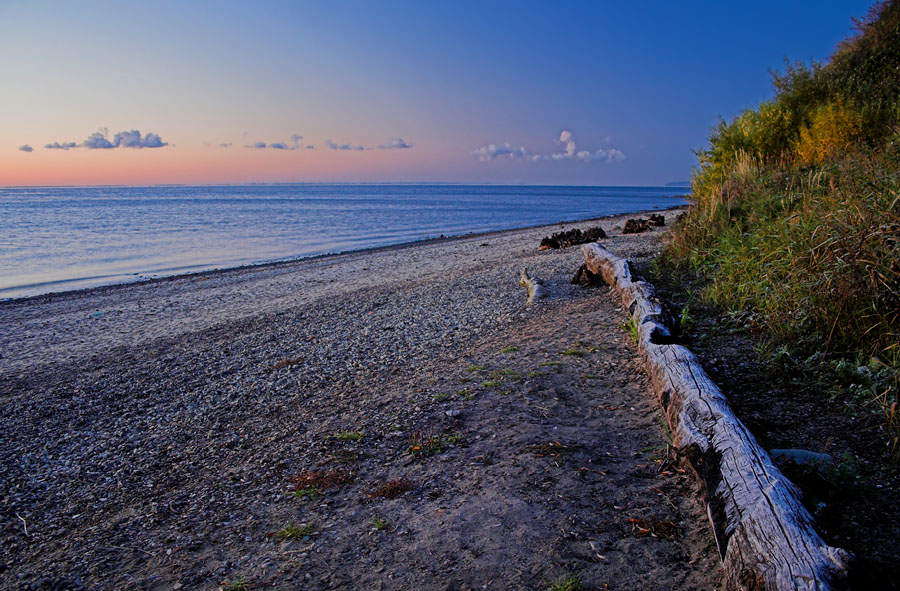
column 320, row 479
column 654, row 528
column 392, row 489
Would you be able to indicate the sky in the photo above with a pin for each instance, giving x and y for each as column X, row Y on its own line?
column 209, row 92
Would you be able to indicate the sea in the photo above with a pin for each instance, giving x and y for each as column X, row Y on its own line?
column 55, row 239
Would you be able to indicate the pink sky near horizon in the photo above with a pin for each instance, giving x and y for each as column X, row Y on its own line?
column 205, row 165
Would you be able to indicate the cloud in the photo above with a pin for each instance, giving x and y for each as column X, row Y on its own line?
column 569, row 152
column 133, row 139
column 492, row 152
column 396, row 143
column 152, row 140
column 26, row 148
column 600, row 155
column 98, row 141
column 567, row 140
column 335, row 146
column 59, row 146
column 123, row 139
column 310, row 147
column 293, row 145
column 225, row 145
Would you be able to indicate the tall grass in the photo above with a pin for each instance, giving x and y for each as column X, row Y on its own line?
column 815, row 255
column 796, row 213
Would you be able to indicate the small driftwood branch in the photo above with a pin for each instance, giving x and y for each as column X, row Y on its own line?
column 24, row 523
column 766, row 538
column 535, row 287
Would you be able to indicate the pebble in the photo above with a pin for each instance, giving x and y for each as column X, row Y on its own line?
column 177, row 420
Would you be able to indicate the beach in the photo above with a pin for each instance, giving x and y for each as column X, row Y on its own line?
column 392, row 418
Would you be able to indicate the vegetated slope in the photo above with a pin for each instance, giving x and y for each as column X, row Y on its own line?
column 796, row 219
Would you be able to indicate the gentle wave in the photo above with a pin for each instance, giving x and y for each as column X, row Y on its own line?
column 62, row 238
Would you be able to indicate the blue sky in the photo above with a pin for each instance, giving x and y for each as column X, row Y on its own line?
column 638, row 86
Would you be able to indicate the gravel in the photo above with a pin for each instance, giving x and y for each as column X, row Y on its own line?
column 148, row 430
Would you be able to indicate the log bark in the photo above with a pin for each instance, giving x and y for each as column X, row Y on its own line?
column 535, row 287
column 765, row 536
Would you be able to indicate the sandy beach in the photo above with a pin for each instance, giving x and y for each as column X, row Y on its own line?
column 388, row 419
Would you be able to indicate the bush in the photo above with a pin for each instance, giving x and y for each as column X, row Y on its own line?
column 796, row 205
column 835, row 130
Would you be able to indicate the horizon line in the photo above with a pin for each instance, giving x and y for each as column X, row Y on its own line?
column 670, row 185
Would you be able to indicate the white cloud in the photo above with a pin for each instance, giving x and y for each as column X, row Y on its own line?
column 123, row 139
column 98, row 141
column 597, row 156
column 395, row 143
column 61, row 146
column 493, row 151
column 567, row 140
column 335, row 146
column 133, row 139
column 570, row 152
column 293, row 145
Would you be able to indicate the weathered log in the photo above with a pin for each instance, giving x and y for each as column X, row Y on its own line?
column 765, row 536
column 535, row 287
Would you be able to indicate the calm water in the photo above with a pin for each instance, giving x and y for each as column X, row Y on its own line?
column 60, row 238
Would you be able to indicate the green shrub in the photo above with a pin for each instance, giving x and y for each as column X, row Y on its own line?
column 796, row 205
column 795, row 212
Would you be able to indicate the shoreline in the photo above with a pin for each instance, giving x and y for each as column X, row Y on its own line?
column 80, row 292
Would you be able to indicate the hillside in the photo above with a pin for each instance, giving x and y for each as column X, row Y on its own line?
column 796, row 220
column 785, row 275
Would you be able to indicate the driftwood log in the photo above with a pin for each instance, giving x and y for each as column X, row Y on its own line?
column 535, row 286
column 764, row 533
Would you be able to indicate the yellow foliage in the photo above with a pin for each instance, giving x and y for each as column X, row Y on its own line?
column 834, row 129
column 766, row 131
